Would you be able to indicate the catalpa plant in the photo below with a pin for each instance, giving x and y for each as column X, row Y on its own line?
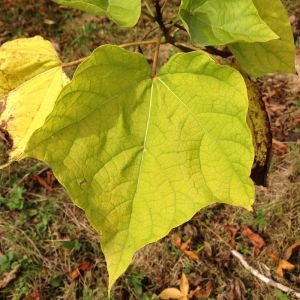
column 141, row 150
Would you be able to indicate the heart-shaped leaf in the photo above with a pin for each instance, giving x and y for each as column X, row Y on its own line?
column 142, row 155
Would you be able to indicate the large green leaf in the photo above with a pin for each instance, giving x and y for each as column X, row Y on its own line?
column 258, row 59
column 219, row 22
column 142, row 155
column 125, row 13
column 31, row 78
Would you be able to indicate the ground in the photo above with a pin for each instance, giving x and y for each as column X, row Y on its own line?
column 48, row 250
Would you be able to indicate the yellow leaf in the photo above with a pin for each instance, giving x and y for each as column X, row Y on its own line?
column 22, row 59
column 171, row 293
column 184, row 285
column 31, row 78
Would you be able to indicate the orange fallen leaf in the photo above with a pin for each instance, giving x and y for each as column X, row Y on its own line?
column 284, row 265
column 85, row 266
column 191, row 254
column 184, row 246
column 254, row 238
column 176, row 241
column 82, row 267
column 75, row 274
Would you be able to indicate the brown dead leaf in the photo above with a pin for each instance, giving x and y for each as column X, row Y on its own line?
column 82, row 267
column 35, row 295
column 254, row 238
column 279, row 148
column 202, row 292
column 237, row 290
column 207, row 249
column 273, row 256
column 8, row 277
column 42, row 182
column 85, row 266
column 232, row 230
column 284, row 265
column 290, row 251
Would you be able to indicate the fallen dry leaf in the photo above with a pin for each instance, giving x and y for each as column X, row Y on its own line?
column 200, row 293
column 207, row 249
column 232, row 230
column 237, row 290
column 184, row 285
column 290, row 251
column 191, row 254
column 185, row 245
column 35, row 295
column 273, row 256
column 284, row 265
column 170, row 293
column 279, row 148
column 8, row 277
column 254, row 238
column 82, row 267
column 176, row 241
column 181, row 293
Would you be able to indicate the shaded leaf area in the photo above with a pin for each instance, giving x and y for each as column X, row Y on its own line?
column 239, row 21
column 261, row 58
column 152, row 142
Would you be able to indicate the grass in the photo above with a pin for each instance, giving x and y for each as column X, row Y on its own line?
column 47, row 239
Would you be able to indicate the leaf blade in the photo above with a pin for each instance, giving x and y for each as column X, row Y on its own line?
column 258, row 59
column 136, row 144
column 221, row 22
column 123, row 13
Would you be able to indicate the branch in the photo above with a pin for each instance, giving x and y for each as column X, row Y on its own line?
column 159, row 19
column 155, row 57
column 137, row 43
column 262, row 277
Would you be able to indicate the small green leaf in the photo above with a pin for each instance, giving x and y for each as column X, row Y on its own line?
column 219, row 22
column 258, row 59
column 124, row 13
column 142, row 155
column 31, row 77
